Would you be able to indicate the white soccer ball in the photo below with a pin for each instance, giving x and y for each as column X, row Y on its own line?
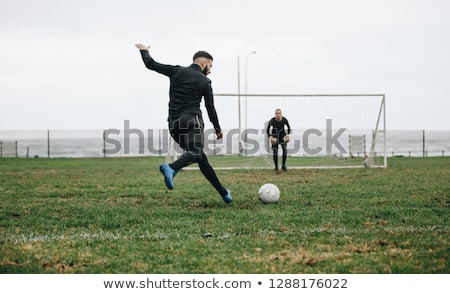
column 269, row 193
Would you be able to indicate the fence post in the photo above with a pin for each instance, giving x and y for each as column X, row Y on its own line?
column 1, row 149
column 104, row 145
column 16, row 150
column 159, row 142
column 48, row 143
column 350, row 145
column 364, row 140
column 423, row 143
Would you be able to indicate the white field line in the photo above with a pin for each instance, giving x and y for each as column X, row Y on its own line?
column 271, row 168
column 104, row 235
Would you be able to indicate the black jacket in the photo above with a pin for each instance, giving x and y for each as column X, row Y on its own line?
column 187, row 87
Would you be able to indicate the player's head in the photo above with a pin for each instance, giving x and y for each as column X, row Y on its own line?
column 204, row 60
column 278, row 114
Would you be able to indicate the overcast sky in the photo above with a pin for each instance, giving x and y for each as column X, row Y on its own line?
column 72, row 64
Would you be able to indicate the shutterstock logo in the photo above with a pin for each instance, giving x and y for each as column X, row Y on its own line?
column 251, row 142
column 331, row 139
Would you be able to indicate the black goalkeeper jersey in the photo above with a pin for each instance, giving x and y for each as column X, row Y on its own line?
column 188, row 85
column 277, row 128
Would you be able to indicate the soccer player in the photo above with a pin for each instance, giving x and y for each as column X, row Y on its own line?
column 188, row 85
column 277, row 134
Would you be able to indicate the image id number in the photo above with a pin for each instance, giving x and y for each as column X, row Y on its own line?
column 307, row 283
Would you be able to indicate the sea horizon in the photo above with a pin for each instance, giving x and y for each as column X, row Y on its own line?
column 155, row 142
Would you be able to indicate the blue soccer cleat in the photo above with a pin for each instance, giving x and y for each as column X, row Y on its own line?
column 168, row 173
column 227, row 198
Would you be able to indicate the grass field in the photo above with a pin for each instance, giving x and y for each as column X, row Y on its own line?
column 116, row 216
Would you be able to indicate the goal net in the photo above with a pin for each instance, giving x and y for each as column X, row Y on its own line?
column 327, row 131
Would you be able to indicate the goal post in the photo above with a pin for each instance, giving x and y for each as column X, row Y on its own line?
column 325, row 130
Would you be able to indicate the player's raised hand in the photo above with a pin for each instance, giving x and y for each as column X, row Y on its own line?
column 142, row 47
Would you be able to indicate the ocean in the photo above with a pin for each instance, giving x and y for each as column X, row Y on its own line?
column 120, row 143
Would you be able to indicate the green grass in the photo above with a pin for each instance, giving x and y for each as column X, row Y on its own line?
column 116, row 216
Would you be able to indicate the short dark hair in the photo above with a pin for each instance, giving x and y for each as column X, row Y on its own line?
column 202, row 54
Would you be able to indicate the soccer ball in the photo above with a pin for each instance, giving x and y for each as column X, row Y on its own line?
column 269, row 193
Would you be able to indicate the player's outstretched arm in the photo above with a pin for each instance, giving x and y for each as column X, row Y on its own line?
column 151, row 64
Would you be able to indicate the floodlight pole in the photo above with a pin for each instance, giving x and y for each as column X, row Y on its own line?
column 246, row 63
column 239, row 106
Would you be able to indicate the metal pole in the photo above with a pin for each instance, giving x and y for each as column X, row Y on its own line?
column 423, row 142
column 384, row 131
column 246, row 98
column 160, row 142
column 239, row 108
column 48, row 143
column 350, row 145
column 104, row 144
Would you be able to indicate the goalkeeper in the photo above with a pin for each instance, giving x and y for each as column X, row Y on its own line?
column 276, row 130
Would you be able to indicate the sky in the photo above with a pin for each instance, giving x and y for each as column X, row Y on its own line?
column 72, row 64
